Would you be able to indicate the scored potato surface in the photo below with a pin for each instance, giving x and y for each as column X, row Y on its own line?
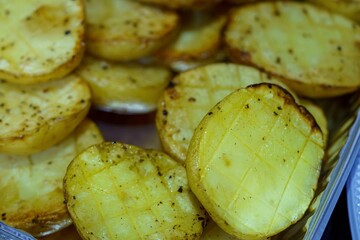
column 317, row 53
column 194, row 93
column 35, row 117
column 254, row 161
column 126, row 29
column 31, row 186
column 119, row 191
column 40, row 40
column 124, row 88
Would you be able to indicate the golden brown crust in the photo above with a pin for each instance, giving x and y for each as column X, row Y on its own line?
column 66, row 65
column 290, row 100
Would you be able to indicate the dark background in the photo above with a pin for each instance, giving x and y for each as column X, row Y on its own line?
column 338, row 227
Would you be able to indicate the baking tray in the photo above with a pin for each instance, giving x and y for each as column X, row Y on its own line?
column 343, row 147
column 353, row 199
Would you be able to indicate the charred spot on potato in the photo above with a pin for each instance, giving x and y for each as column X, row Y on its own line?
column 192, row 99
column 278, row 60
column 241, row 55
column 173, row 93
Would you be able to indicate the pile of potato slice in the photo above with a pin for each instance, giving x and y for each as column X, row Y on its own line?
column 231, row 83
column 44, row 109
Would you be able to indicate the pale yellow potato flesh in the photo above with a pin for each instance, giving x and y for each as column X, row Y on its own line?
column 40, row 40
column 314, row 51
column 349, row 8
column 119, row 191
column 192, row 95
column 124, row 88
column 37, row 116
column 199, row 39
column 32, row 186
column 122, row 30
column 254, row 161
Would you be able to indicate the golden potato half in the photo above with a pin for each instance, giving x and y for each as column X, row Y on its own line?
column 198, row 42
column 349, row 8
column 40, row 40
column 192, row 95
column 183, row 4
column 35, row 117
column 124, row 88
column 31, row 186
column 126, row 30
column 120, row 191
column 254, row 161
column 315, row 52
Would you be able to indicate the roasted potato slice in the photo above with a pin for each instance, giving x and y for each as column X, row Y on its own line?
column 184, row 4
column 315, row 52
column 31, row 186
column 40, row 40
column 35, row 117
column 126, row 30
column 119, row 191
column 192, row 95
column 254, row 161
column 124, row 88
column 199, row 40
column 349, row 8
